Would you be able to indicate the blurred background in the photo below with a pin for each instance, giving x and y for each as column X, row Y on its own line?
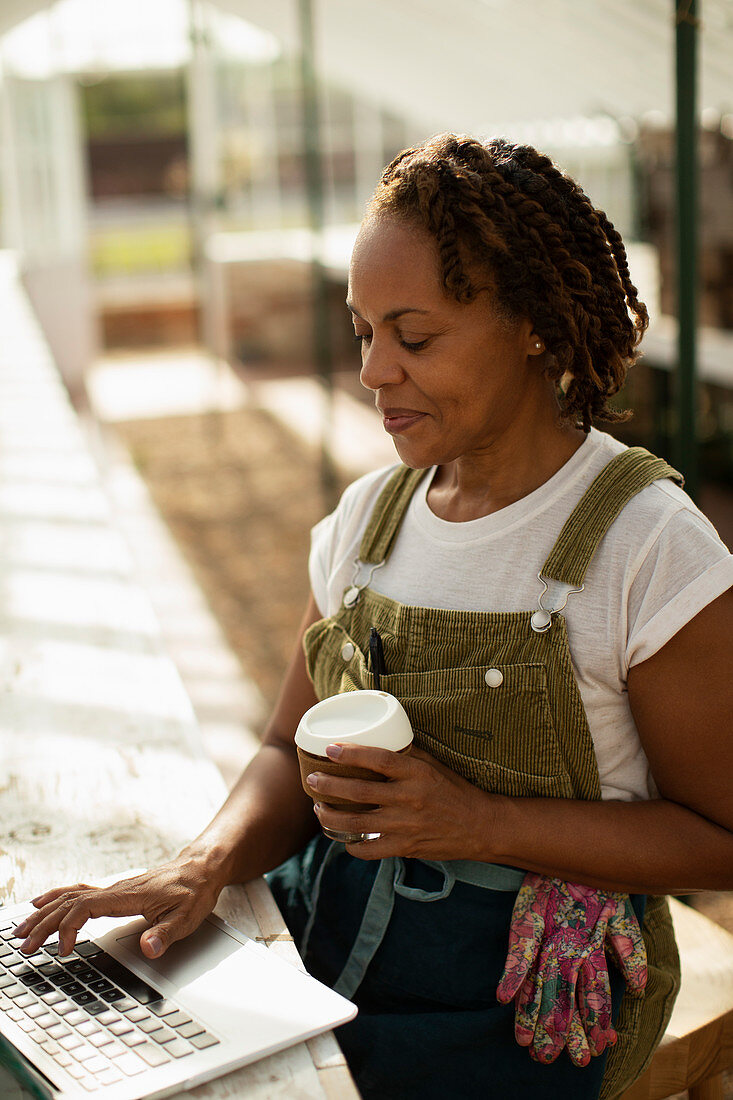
column 181, row 182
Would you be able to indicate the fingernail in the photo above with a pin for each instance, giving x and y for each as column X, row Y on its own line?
column 26, row 945
column 20, row 930
column 154, row 944
column 334, row 751
column 312, row 780
column 316, row 807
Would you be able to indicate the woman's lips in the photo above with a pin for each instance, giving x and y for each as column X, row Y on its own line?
column 397, row 421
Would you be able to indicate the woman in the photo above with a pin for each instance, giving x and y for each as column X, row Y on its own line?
column 496, row 316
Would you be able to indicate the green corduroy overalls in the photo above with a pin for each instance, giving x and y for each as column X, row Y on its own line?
column 521, row 731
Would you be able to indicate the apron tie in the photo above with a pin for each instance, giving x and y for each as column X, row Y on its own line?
column 389, row 881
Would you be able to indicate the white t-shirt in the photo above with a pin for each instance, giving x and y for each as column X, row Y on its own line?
column 658, row 565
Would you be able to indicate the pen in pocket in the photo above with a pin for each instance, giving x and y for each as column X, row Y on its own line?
column 376, row 654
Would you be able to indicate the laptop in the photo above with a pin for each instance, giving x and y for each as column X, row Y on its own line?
column 107, row 1021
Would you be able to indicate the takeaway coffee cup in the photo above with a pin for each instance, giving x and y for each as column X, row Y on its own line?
column 372, row 718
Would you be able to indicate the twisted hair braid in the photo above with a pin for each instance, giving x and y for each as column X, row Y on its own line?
column 506, row 213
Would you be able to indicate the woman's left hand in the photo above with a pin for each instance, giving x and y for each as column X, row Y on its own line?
column 425, row 810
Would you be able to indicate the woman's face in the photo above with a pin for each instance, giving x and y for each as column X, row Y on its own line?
column 450, row 380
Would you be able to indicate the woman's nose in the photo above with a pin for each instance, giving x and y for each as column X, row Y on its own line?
column 379, row 367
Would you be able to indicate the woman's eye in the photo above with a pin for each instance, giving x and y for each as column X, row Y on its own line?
column 362, row 337
column 411, row 345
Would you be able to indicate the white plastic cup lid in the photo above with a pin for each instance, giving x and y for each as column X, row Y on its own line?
column 372, row 718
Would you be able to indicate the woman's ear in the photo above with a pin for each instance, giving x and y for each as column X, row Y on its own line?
column 536, row 344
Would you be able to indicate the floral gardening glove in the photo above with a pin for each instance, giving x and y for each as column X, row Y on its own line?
column 556, row 968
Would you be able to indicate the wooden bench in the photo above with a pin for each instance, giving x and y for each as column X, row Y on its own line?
column 698, row 1046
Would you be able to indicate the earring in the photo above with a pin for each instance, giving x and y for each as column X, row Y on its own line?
column 538, row 345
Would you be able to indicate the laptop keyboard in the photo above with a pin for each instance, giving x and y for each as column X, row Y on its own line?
column 93, row 1016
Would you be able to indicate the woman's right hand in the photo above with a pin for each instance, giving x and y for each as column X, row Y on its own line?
column 173, row 898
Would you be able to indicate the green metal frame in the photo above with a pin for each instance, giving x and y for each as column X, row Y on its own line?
column 686, row 450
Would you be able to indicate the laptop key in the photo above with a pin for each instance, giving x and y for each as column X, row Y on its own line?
column 95, row 1008
column 33, row 980
column 101, row 985
column 133, row 1039
column 187, row 1030
column 162, row 1035
column 70, row 987
column 179, row 1048
column 201, row 1042
column 19, row 969
column 119, row 1027
column 75, row 1018
column 177, row 1019
column 64, row 1007
column 53, row 997
column 83, row 998
column 137, row 1015
column 84, row 1053
column 130, row 1064
column 46, row 1021
column 162, row 1007
column 100, row 1038
column 57, row 1031
column 111, row 995
column 63, row 1058
column 95, row 1063
column 109, row 1076
column 154, row 1056
column 74, row 966
column 35, row 1010
column 108, row 1017
column 86, row 949
column 89, row 1027
column 69, row 1042
column 86, row 975
column 51, row 969
column 151, row 1024
column 60, row 983
column 42, row 987
column 26, row 1000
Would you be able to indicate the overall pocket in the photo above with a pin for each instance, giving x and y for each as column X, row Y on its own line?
column 501, row 738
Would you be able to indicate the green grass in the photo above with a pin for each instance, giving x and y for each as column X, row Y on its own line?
column 140, row 250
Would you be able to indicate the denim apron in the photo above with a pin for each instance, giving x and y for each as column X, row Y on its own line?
column 419, row 944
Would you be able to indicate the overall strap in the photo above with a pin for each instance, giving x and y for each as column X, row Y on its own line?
column 387, row 514
column 624, row 476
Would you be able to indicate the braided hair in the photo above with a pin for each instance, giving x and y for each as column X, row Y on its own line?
column 506, row 211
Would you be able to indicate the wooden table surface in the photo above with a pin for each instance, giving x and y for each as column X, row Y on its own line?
column 101, row 762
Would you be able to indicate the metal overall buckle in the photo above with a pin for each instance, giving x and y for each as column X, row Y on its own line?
column 541, row 620
column 352, row 594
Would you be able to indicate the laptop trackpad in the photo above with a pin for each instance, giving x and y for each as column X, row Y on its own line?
column 187, row 960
